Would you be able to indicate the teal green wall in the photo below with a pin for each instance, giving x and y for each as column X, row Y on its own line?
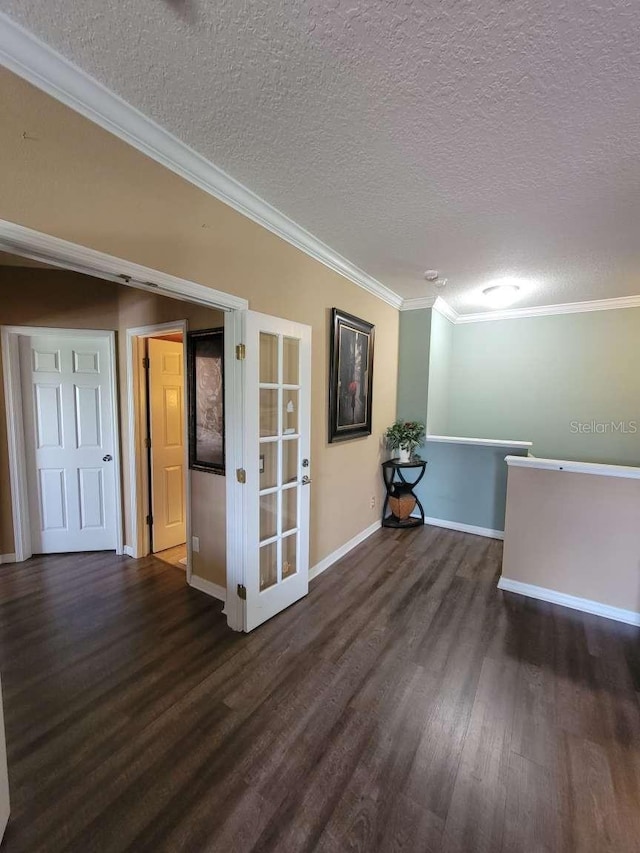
column 530, row 378
column 465, row 483
column 413, row 364
column 439, row 370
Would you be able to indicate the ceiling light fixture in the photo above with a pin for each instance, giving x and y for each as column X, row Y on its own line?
column 501, row 294
column 431, row 275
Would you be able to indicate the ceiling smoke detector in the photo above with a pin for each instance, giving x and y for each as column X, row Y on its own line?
column 431, row 275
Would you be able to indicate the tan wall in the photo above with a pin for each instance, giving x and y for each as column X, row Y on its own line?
column 61, row 299
column 71, row 179
column 577, row 534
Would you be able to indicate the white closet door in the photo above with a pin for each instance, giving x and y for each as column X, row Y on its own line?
column 69, row 439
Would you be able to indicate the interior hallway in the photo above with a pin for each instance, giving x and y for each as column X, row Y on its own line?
column 405, row 704
column 176, row 556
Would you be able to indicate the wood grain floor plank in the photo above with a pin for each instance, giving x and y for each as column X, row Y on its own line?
column 405, row 705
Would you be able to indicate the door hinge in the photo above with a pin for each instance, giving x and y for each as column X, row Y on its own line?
column 149, row 520
column 242, row 592
column 146, row 363
column 241, row 352
column 147, row 443
column 241, row 475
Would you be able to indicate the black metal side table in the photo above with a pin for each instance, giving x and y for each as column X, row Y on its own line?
column 400, row 499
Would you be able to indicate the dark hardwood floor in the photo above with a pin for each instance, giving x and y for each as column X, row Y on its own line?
column 406, row 704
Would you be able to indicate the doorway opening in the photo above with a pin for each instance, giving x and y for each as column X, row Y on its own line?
column 159, row 469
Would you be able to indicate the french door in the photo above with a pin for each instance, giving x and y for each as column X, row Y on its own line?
column 277, row 463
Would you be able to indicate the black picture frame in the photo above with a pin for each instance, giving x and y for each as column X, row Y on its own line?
column 350, row 377
column 205, row 369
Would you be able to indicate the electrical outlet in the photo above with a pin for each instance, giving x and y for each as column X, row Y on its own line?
column 372, row 502
column 195, row 544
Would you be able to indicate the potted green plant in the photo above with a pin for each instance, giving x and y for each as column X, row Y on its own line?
column 405, row 436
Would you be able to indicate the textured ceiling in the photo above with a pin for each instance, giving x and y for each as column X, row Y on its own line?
column 480, row 138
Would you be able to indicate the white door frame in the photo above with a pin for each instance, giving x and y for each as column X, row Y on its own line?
column 19, row 240
column 15, row 429
column 137, row 405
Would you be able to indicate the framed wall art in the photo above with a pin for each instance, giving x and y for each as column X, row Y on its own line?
column 205, row 367
column 350, row 377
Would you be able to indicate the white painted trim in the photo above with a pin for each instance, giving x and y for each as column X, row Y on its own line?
column 465, row 528
column 38, row 246
column 436, row 302
column 15, row 444
column 482, row 442
column 137, row 404
column 7, row 558
column 340, row 552
column 33, row 60
column 417, row 303
column 234, row 333
column 115, row 425
column 15, row 429
column 586, row 605
column 596, row 468
column 442, row 307
column 210, row 588
column 551, row 310
column 130, row 552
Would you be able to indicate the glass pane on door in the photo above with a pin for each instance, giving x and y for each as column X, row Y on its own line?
column 268, row 516
column 291, row 356
column 279, row 462
column 268, row 412
column 268, row 358
column 289, row 550
column 268, row 565
column 290, row 412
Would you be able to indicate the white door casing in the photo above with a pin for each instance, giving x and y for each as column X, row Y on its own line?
column 70, row 443
column 276, row 454
column 166, row 416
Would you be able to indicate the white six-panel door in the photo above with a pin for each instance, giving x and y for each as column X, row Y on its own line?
column 69, row 442
column 278, row 468
column 166, row 406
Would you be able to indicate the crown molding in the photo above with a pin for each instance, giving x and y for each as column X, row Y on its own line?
column 417, row 303
column 549, row 310
column 442, row 307
column 34, row 61
column 437, row 303
column 446, row 310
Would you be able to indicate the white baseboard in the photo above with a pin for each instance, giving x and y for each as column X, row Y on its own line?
column 129, row 551
column 7, row 558
column 465, row 528
column 586, row 605
column 340, row 552
column 212, row 589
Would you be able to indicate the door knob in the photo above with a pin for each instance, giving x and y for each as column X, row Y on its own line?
column 306, row 480
column 107, row 458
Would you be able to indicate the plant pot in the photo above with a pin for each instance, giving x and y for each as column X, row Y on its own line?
column 405, row 455
column 402, row 505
